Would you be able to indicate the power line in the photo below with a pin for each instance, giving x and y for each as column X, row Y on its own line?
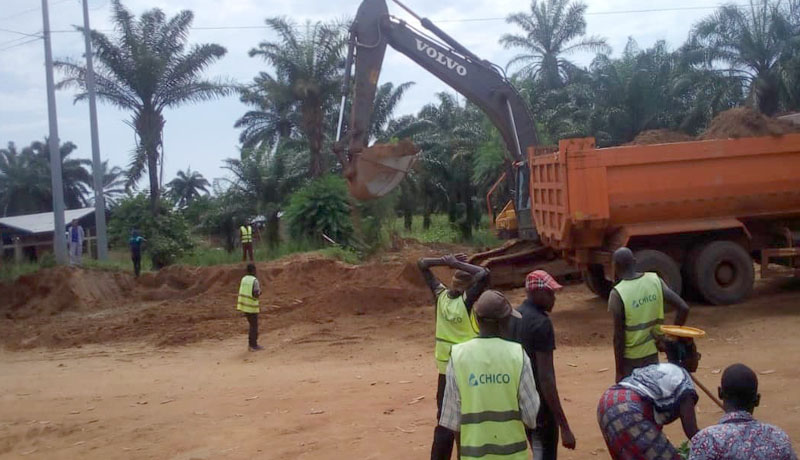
column 20, row 44
column 18, row 33
column 30, row 10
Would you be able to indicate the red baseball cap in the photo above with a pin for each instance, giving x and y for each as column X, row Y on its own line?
column 540, row 279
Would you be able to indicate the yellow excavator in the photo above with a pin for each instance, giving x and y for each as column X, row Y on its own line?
column 373, row 171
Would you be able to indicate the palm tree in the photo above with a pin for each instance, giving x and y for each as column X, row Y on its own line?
column 145, row 69
column 755, row 42
column 386, row 99
column 113, row 184
column 274, row 117
column 25, row 185
column 552, row 29
column 308, row 64
column 187, row 186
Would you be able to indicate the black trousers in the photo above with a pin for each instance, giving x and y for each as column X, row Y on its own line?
column 443, row 438
column 546, row 432
column 247, row 250
column 252, row 336
column 137, row 263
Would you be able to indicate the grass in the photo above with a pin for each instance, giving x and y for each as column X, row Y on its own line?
column 441, row 231
column 206, row 256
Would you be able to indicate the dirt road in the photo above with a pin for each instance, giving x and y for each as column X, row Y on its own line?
column 357, row 385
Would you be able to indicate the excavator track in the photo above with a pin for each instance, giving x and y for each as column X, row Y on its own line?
column 511, row 262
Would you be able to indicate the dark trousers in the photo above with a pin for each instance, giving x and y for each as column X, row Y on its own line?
column 137, row 263
column 546, row 432
column 247, row 249
column 628, row 365
column 443, row 438
column 252, row 336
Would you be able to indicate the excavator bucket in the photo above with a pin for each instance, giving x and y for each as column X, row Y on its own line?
column 377, row 170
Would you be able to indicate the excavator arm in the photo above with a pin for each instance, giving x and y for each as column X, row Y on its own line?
column 374, row 171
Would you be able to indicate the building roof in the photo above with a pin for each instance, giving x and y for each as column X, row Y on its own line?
column 43, row 222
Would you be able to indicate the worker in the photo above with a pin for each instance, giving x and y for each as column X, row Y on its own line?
column 455, row 323
column 75, row 236
column 135, row 243
column 738, row 435
column 247, row 303
column 535, row 332
column 632, row 413
column 246, row 233
column 491, row 395
column 637, row 303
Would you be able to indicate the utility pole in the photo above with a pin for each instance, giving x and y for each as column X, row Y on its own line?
column 59, row 240
column 99, row 199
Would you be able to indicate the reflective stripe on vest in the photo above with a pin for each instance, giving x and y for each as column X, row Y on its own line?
column 643, row 299
column 247, row 234
column 453, row 325
column 246, row 302
column 488, row 372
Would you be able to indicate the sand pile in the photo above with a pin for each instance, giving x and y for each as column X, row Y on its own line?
column 64, row 307
column 745, row 122
column 660, row 136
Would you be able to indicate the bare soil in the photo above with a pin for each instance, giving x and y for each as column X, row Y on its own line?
column 660, row 136
column 158, row 368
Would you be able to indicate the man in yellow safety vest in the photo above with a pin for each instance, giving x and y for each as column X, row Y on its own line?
column 246, row 234
column 491, row 394
column 247, row 303
column 637, row 303
column 455, row 323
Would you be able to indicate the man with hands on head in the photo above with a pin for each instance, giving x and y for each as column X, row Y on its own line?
column 455, row 323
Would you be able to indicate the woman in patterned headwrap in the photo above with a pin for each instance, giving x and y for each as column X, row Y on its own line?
column 632, row 413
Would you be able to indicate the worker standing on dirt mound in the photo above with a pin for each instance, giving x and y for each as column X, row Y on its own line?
column 637, row 303
column 455, row 324
column 135, row 243
column 75, row 236
column 249, row 292
column 491, row 394
column 535, row 332
column 246, row 234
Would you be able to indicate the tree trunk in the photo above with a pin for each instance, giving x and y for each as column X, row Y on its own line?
column 273, row 229
column 149, row 125
column 312, row 123
column 408, row 219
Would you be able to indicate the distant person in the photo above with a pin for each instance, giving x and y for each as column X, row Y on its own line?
column 739, row 436
column 632, row 413
column 75, row 238
column 135, row 243
column 246, row 234
column 637, row 303
column 247, row 303
column 455, row 323
column 490, row 395
column 535, row 332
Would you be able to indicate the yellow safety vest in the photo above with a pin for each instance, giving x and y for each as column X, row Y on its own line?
column 247, row 233
column 453, row 325
column 246, row 302
column 643, row 299
column 488, row 372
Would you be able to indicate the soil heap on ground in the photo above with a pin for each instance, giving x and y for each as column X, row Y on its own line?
column 745, row 122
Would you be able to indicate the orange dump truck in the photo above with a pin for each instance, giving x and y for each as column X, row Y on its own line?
column 697, row 213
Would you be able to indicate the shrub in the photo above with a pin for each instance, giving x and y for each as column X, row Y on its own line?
column 166, row 233
column 321, row 207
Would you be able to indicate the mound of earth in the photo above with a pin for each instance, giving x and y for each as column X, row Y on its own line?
column 660, row 136
column 68, row 307
column 745, row 122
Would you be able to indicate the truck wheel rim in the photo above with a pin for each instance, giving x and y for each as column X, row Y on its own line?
column 725, row 274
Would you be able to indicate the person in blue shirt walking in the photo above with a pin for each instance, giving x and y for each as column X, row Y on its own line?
column 136, row 251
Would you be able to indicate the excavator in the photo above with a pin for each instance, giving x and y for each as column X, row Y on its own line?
column 373, row 171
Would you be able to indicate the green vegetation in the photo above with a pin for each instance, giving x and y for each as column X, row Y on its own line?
column 285, row 175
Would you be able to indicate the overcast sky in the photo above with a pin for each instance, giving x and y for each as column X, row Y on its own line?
column 201, row 135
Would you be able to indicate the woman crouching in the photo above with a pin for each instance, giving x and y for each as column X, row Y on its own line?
column 632, row 412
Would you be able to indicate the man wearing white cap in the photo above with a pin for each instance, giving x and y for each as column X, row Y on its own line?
column 535, row 332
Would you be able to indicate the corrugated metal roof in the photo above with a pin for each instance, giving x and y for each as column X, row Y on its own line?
column 43, row 222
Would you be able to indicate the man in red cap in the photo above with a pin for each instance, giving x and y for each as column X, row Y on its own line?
column 535, row 332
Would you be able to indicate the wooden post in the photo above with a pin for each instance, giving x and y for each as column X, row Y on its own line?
column 17, row 250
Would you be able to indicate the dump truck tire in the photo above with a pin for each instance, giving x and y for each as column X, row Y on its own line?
column 723, row 273
column 650, row 260
column 596, row 282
